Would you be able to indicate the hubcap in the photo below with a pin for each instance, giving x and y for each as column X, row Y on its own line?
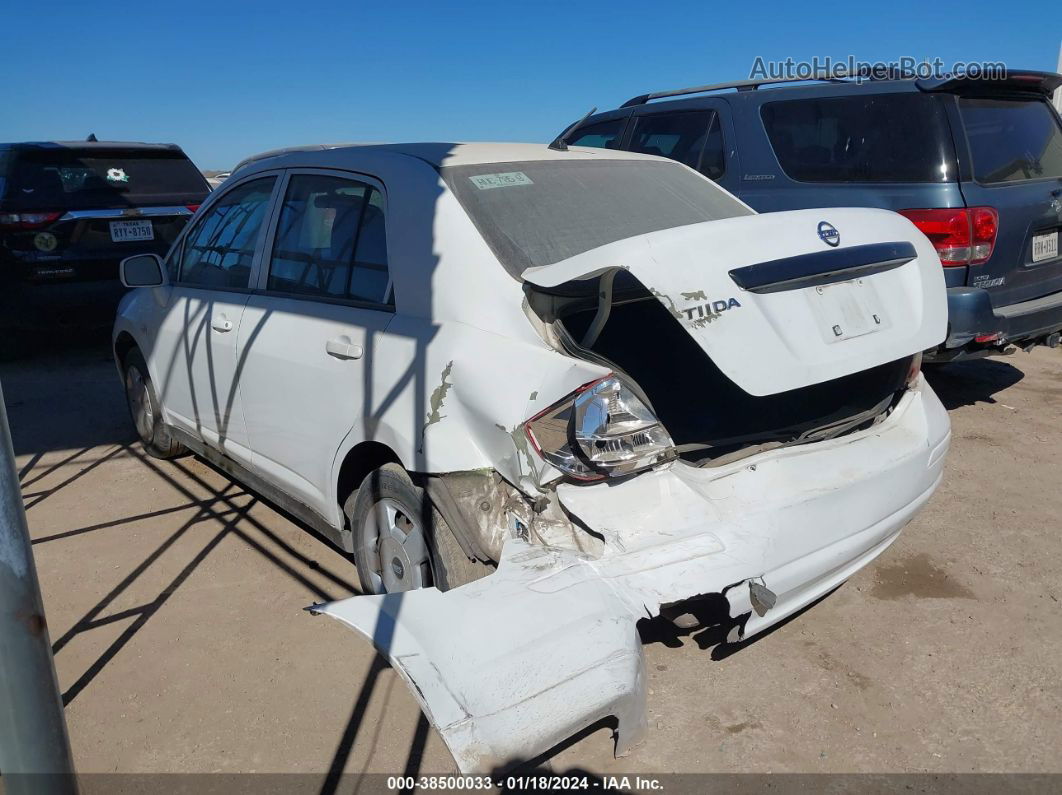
column 396, row 549
column 136, row 392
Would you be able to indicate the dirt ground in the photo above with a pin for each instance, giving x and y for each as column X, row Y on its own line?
column 174, row 598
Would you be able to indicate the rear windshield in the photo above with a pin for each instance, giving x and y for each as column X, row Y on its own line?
column 1011, row 139
column 540, row 212
column 65, row 177
column 862, row 138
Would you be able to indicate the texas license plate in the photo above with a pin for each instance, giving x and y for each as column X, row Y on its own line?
column 129, row 231
column 1045, row 247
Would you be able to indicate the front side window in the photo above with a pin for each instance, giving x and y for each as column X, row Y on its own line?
column 219, row 251
column 330, row 240
column 1011, row 140
column 678, row 136
column 603, row 135
column 862, row 138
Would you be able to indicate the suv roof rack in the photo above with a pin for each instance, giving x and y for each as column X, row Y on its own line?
column 740, row 85
column 837, row 76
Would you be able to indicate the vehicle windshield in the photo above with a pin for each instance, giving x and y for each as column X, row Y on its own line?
column 67, row 177
column 539, row 212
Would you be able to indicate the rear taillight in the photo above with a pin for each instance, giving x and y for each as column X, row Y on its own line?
column 27, row 220
column 192, row 208
column 961, row 236
column 985, row 223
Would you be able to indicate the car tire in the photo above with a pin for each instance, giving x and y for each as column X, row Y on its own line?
column 401, row 542
column 144, row 409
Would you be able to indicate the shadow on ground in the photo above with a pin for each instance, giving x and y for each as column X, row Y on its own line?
column 967, row 383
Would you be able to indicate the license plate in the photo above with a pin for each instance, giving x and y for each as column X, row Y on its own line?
column 846, row 309
column 128, row 231
column 1045, row 247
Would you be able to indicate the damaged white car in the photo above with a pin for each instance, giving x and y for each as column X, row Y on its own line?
column 541, row 395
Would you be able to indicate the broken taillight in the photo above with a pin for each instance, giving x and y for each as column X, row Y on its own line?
column 961, row 235
column 601, row 429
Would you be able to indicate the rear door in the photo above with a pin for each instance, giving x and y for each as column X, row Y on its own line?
column 308, row 334
column 1015, row 153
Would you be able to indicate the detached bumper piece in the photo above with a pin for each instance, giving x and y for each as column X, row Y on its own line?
column 510, row 665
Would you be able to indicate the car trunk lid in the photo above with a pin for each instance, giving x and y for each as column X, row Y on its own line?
column 785, row 300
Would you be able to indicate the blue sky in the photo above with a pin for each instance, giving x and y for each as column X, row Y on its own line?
column 228, row 79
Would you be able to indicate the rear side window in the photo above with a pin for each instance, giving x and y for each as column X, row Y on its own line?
column 1011, row 140
column 691, row 137
column 678, row 136
column 64, row 177
column 862, row 138
column 219, row 251
column 330, row 240
column 603, row 135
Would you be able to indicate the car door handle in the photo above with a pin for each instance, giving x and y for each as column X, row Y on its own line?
column 221, row 324
column 343, row 348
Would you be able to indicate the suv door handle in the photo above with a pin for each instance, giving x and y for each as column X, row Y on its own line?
column 342, row 348
column 221, row 324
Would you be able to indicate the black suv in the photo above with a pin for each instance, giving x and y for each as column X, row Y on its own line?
column 975, row 164
column 70, row 211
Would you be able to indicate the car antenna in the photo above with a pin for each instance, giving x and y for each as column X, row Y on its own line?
column 92, row 137
column 558, row 143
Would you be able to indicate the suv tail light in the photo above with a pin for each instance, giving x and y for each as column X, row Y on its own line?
column 192, row 208
column 27, row 220
column 961, row 236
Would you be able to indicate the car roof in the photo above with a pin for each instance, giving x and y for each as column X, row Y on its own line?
column 1027, row 82
column 439, row 154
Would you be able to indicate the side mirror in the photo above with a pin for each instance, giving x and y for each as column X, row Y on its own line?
column 142, row 270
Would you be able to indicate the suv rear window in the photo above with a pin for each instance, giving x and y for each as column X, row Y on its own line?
column 540, row 212
column 862, row 138
column 64, row 177
column 1011, row 139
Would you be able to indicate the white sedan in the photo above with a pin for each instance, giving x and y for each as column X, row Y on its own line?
column 540, row 395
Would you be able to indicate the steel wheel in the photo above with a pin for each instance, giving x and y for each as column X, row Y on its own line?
column 398, row 555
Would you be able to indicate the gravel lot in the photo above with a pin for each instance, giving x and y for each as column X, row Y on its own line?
column 174, row 601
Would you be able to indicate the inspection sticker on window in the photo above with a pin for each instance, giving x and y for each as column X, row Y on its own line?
column 507, row 180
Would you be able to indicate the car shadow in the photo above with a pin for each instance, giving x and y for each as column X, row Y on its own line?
column 967, row 383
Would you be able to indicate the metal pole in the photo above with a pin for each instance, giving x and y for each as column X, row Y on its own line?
column 33, row 737
column 1058, row 91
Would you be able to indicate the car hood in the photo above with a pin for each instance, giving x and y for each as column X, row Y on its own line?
column 783, row 300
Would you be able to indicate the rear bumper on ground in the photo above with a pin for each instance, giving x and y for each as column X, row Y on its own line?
column 511, row 664
column 971, row 314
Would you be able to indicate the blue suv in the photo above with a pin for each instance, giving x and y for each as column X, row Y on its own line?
column 975, row 164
